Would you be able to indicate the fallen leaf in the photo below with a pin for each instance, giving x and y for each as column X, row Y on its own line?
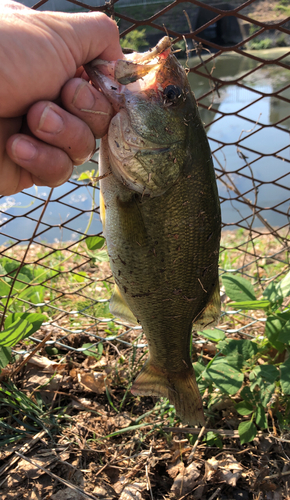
column 133, row 491
column 175, row 469
column 94, row 382
column 122, row 420
column 104, row 491
column 67, row 494
column 186, row 480
column 229, row 470
column 45, row 363
column 211, row 467
column 229, row 477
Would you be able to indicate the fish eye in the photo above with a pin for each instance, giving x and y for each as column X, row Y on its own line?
column 172, row 93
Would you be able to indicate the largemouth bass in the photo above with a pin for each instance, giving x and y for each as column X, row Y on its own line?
column 161, row 217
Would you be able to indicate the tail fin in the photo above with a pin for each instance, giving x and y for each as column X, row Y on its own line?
column 180, row 388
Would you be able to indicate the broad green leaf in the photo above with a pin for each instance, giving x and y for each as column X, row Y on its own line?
column 214, row 335
column 249, row 396
column 4, row 288
column 17, row 331
column 285, row 376
column 244, row 408
column 5, row 356
column 213, row 439
column 225, row 376
column 285, row 315
column 284, row 286
column 284, row 335
column 95, row 242
column 250, row 305
column 237, row 352
column 198, row 368
column 266, row 393
column 35, row 319
column 267, row 372
column 80, row 276
column 247, row 431
column 237, row 288
column 92, row 350
column 273, row 328
column 101, row 256
column 278, row 291
column 264, row 390
column 34, row 294
column 261, row 419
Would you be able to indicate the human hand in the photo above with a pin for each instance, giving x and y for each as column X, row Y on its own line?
column 41, row 60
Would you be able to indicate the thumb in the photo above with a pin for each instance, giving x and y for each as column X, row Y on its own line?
column 87, row 35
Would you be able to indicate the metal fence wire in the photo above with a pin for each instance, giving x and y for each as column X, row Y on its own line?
column 244, row 99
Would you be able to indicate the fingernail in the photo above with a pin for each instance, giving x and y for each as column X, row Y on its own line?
column 23, row 149
column 83, row 98
column 50, row 121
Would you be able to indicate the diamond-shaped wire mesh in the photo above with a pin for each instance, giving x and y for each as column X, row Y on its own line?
column 244, row 100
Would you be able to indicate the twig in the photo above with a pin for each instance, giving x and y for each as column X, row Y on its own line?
column 57, row 478
column 279, row 474
column 215, row 494
column 201, row 433
column 149, row 482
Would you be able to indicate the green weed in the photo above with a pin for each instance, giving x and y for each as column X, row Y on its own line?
column 258, row 370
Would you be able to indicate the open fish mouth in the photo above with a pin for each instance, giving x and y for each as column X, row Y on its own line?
column 131, row 85
column 136, row 72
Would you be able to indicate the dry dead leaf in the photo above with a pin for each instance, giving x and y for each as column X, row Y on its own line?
column 122, row 420
column 229, row 477
column 50, row 383
column 186, row 480
column 211, row 467
column 229, row 470
column 29, row 470
column 133, row 491
column 67, row 494
column 104, row 491
column 35, row 494
column 175, row 469
column 94, row 382
column 230, row 463
column 45, row 364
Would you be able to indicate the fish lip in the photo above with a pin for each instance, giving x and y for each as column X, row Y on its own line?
column 112, row 89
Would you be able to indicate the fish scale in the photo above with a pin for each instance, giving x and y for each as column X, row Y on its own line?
column 163, row 242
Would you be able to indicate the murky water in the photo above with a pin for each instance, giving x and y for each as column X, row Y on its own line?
column 70, row 206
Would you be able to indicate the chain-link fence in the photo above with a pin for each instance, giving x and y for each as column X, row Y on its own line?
column 239, row 70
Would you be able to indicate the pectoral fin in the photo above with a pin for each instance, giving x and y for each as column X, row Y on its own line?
column 210, row 315
column 120, row 308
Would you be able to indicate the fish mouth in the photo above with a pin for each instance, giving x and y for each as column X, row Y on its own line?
column 135, row 73
column 137, row 157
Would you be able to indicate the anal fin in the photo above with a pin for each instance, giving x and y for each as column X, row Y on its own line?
column 211, row 313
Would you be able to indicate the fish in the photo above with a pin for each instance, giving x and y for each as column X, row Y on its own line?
column 161, row 217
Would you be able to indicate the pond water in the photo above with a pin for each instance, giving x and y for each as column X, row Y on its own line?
column 71, row 204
